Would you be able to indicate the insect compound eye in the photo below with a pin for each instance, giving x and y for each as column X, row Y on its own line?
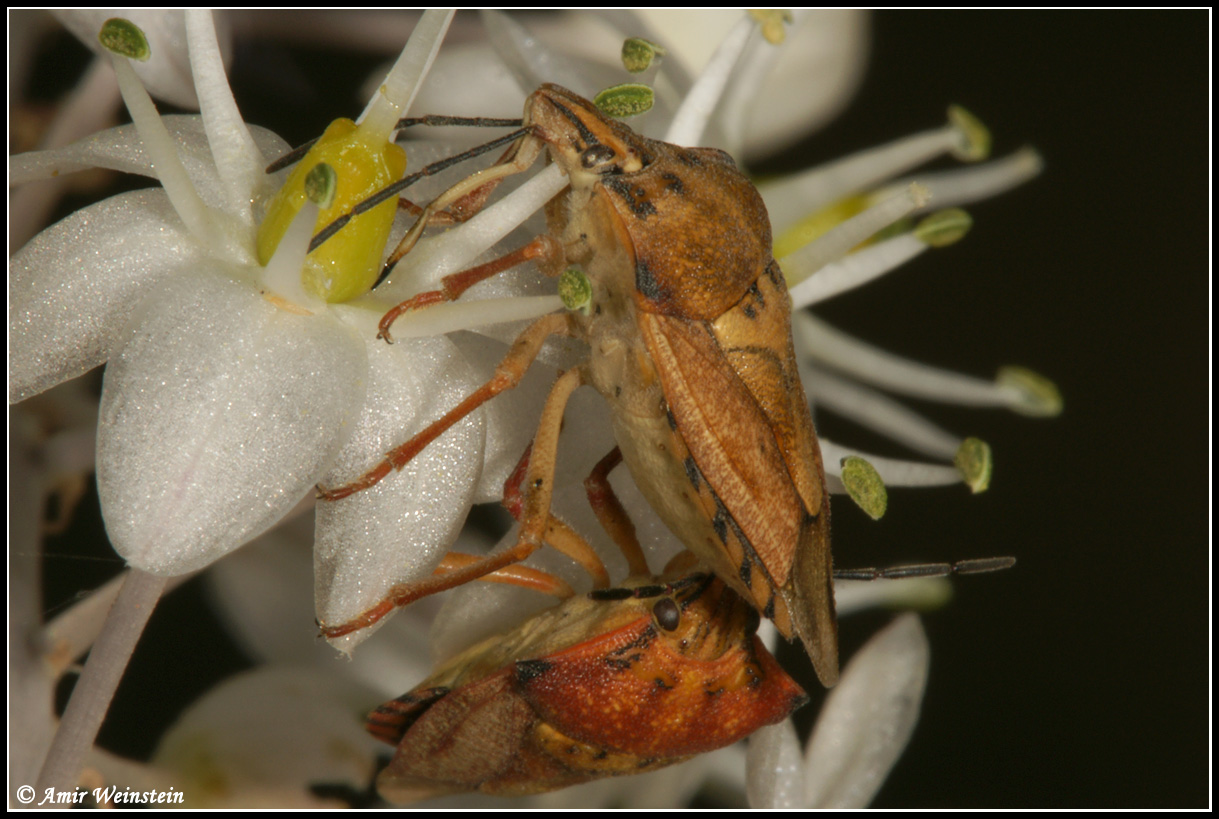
column 667, row 615
column 596, row 155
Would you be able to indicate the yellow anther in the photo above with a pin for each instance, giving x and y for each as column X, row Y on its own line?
column 348, row 264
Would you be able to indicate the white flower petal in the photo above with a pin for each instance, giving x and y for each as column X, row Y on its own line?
column 773, row 767
column 261, row 739
column 398, row 530
column 121, row 149
column 868, row 718
column 264, row 595
column 73, row 287
column 219, row 413
column 167, row 73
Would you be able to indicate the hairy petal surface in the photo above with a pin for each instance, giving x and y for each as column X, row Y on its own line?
column 219, row 413
column 73, row 287
column 397, row 531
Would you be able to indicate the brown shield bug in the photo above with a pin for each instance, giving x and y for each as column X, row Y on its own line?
column 689, row 332
column 616, row 681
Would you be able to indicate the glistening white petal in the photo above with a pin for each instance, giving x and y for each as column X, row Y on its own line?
column 398, row 530
column 868, row 718
column 72, row 288
column 219, row 413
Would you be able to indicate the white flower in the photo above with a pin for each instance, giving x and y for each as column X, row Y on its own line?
column 231, row 392
column 157, row 305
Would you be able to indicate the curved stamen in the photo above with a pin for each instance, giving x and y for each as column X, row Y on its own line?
column 692, row 117
column 238, row 160
column 789, row 199
column 838, row 241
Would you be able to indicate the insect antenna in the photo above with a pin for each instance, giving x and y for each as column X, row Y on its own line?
column 393, row 190
column 298, row 153
column 975, row 566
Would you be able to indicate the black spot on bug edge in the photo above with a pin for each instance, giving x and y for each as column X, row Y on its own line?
column 618, row 664
column 774, row 273
column 720, row 523
column 769, row 611
column 617, row 390
column 601, row 754
column 688, row 158
column 692, row 472
column 662, row 685
column 670, row 417
column 645, row 283
column 527, row 670
column 673, row 183
column 749, row 311
column 745, row 572
column 634, row 197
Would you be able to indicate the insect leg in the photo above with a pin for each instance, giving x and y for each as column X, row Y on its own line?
column 507, row 375
column 540, row 473
column 543, row 248
column 613, row 516
column 513, row 575
column 519, row 158
column 559, row 535
column 456, row 570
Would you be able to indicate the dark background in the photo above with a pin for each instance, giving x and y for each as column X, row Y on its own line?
column 1080, row 678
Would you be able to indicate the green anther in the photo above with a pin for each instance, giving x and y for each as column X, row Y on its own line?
column 944, row 228
column 575, row 290
column 124, row 38
column 865, row 486
column 638, row 54
column 1039, row 396
column 975, row 137
column 773, row 23
column 320, row 184
column 626, row 100
column 974, row 460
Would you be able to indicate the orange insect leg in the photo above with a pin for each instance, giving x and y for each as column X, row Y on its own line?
column 539, row 478
column 507, row 375
column 559, row 535
column 613, row 516
column 544, row 249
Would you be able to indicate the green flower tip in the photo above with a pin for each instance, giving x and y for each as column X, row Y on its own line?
column 575, row 290
column 944, row 228
column 865, row 486
column 975, row 137
column 626, row 100
column 638, row 54
column 1038, row 396
column 320, row 184
column 773, row 23
column 974, row 460
column 124, row 38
